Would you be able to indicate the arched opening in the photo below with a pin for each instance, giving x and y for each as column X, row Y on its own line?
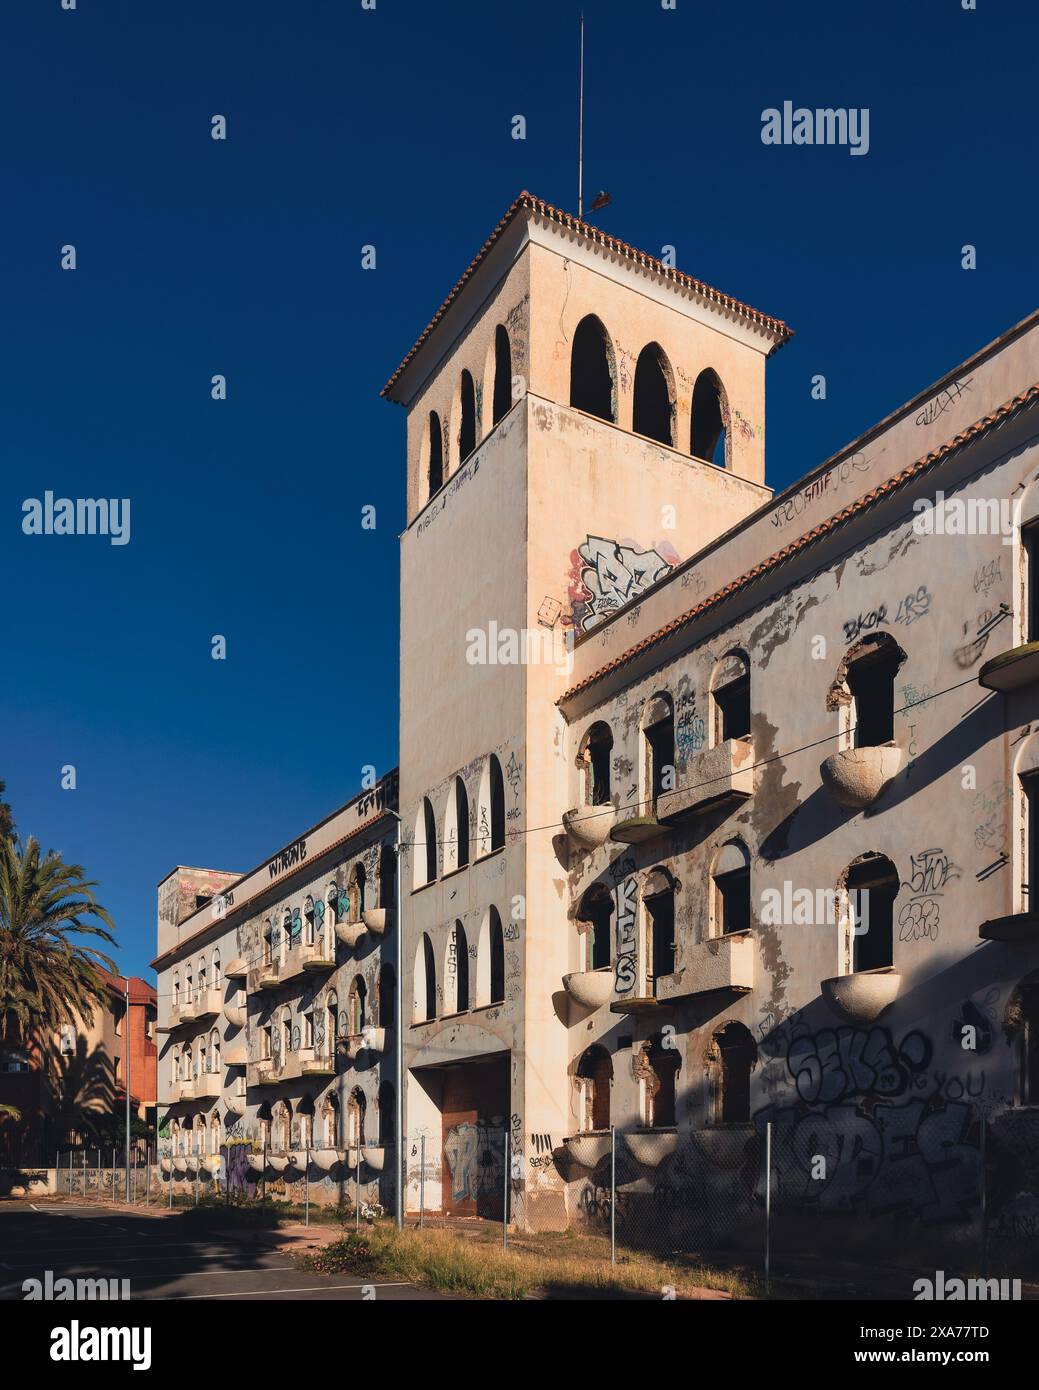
column 660, row 1066
column 491, row 829
column 502, row 373
column 594, row 757
column 866, row 688
column 710, row 418
column 595, row 1080
column 653, row 406
column 658, row 732
column 330, row 1115
column 595, row 912
column 730, row 698
column 731, row 884
column 424, row 866
column 332, row 1017
column 730, row 1058
column 467, row 424
column 305, row 1114
column 461, row 823
column 457, row 977
column 425, row 982
column 282, row 1127
column 497, row 973
column 872, row 885
column 356, row 1006
column 658, row 898
column 355, row 1116
column 591, row 371
column 356, row 892
column 214, row 1051
column 436, row 454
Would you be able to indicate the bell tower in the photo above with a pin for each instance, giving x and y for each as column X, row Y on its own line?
column 580, row 418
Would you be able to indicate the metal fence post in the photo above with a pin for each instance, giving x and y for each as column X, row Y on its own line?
column 70, row 1172
column 169, row 1176
column 768, row 1202
column 306, row 1186
column 263, row 1176
column 505, row 1196
column 198, row 1165
column 100, row 1184
column 147, row 1174
column 422, row 1184
column 84, row 1172
column 357, row 1193
column 613, row 1194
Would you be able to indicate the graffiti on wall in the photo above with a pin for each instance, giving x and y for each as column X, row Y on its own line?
column 606, row 574
column 475, row 1155
column 627, row 904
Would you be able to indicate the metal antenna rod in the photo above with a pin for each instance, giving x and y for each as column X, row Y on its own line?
column 580, row 132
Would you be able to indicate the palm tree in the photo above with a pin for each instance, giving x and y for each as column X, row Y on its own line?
column 48, row 978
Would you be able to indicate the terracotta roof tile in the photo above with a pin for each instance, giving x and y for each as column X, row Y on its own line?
column 540, row 208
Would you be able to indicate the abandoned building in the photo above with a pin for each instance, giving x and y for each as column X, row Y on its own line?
column 753, row 852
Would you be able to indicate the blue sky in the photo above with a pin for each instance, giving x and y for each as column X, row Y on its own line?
column 242, row 257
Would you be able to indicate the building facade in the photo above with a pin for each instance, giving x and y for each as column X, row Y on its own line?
column 715, row 805
column 277, row 1012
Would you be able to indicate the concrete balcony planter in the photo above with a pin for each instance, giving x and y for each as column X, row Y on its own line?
column 255, row 1162
column 166, row 1164
column 180, row 1163
column 376, row 919
column 326, row 1159
column 591, row 989
column 236, row 1056
column 278, row 1162
column 1011, row 670
column 263, row 977
column 235, row 1103
column 375, row 1040
column 721, row 775
column 636, row 830
column 375, row 1157
column 350, row 933
column 265, row 1074
column 353, row 1045
column 211, row 1164
column 864, row 995
column 588, row 1150
column 651, row 1146
column 236, row 1014
column 588, row 827
column 352, row 1157
column 299, row 1158
column 719, row 963
column 855, row 777
column 209, row 1003
column 238, row 969
column 315, row 959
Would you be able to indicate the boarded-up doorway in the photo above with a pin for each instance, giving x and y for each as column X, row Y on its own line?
column 475, row 1110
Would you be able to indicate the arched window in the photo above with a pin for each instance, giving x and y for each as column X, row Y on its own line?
column 330, row 1115
column 497, row 942
column 491, row 828
column 202, row 979
column 356, row 1003
column 436, row 454
column 660, row 1082
column 710, row 420
column 214, row 1134
column 214, row 1051
column 730, row 698
column 653, row 407
column 730, row 1058
column 305, row 1111
column 595, row 913
column 658, row 898
column 457, row 974
column 427, row 849
column 286, row 1032
column 864, row 690
column 332, row 903
column 731, row 896
column 387, row 1113
column 282, row 1130
column 387, row 996
column 592, row 376
column 461, row 824
column 216, row 969
column 595, row 1079
column 502, row 373
column 425, row 984
column 355, row 1112
column 872, row 885
column 594, row 758
column 309, row 916
column 332, row 1017
column 356, row 892
column 176, row 991
column 658, row 732
column 467, row 424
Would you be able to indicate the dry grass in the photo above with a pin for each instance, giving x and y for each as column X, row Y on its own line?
column 473, row 1264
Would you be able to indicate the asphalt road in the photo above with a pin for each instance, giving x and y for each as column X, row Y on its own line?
column 161, row 1260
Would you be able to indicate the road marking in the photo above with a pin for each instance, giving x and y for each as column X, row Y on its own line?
column 310, row 1288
